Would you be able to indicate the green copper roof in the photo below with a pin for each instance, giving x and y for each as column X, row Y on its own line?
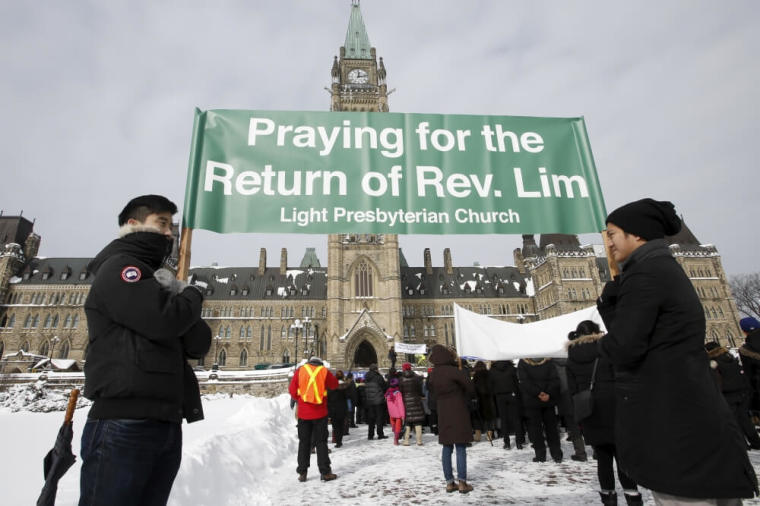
column 357, row 41
column 310, row 259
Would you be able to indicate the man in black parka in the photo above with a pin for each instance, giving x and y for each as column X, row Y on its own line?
column 539, row 387
column 142, row 324
column 674, row 432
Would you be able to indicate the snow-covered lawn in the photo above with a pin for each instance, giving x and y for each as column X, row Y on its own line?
column 244, row 453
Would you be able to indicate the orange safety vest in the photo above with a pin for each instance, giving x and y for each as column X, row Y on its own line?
column 311, row 383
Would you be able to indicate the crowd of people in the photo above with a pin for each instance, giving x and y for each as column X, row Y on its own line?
column 669, row 411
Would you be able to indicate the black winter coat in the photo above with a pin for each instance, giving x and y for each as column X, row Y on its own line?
column 140, row 335
column 536, row 377
column 486, row 407
column 411, row 390
column 750, row 355
column 503, row 376
column 375, row 387
column 337, row 407
column 729, row 375
column 452, row 390
column 599, row 428
column 674, row 431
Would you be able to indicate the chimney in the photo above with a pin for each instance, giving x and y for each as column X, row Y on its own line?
column 428, row 262
column 262, row 261
column 284, row 261
column 449, row 268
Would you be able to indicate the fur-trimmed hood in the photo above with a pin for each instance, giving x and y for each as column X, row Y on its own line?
column 591, row 338
column 716, row 352
column 749, row 353
column 534, row 363
column 584, row 349
column 141, row 242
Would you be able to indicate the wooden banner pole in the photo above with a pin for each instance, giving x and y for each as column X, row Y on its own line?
column 614, row 269
column 183, row 266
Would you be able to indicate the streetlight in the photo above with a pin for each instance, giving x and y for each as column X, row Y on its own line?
column 306, row 324
column 215, row 367
column 316, row 339
column 295, row 326
column 53, row 340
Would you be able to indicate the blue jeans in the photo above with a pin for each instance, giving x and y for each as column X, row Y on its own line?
column 448, row 473
column 129, row 462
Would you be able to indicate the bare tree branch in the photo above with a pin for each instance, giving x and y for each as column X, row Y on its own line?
column 746, row 291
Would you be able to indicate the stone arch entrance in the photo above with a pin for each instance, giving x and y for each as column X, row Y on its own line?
column 364, row 355
column 366, row 346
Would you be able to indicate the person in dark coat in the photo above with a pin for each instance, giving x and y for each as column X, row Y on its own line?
column 750, row 356
column 411, row 391
column 337, row 408
column 143, row 326
column 452, row 389
column 566, row 411
column 506, row 389
column 433, row 417
column 351, row 398
column 374, row 388
column 361, row 401
column 735, row 387
column 674, row 432
column 484, row 416
column 599, row 427
column 392, row 357
column 539, row 386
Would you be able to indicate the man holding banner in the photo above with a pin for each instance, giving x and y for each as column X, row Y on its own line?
column 674, row 432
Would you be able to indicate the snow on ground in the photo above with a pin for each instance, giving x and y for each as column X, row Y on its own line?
column 244, row 453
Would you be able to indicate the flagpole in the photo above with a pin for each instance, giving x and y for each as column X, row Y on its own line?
column 614, row 269
column 183, row 265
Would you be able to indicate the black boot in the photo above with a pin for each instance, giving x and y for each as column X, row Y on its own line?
column 633, row 499
column 506, row 442
column 609, row 498
column 540, row 456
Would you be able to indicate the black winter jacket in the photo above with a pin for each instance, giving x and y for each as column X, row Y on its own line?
column 140, row 335
column 674, row 432
column 599, row 428
column 729, row 374
column 750, row 355
column 375, row 387
column 411, row 391
column 536, row 377
column 503, row 377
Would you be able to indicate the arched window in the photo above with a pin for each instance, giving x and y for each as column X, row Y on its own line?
column 269, row 337
column 48, row 320
column 363, row 285
column 283, row 332
column 227, row 331
column 36, row 321
column 222, row 357
column 67, row 321
column 25, row 347
column 28, row 321
column 248, row 332
column 243, row 358
column 64, row 350
column 242, row 332
column 75, row 322
column 45, row 348
column 286, row 357
column 261, row 339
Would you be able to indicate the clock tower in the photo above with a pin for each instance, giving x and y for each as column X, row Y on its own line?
column 363, row 277
column 358, row 78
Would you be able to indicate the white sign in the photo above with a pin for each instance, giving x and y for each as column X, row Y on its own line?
column 415, row 349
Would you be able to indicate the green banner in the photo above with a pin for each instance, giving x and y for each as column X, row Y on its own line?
column 364, row 172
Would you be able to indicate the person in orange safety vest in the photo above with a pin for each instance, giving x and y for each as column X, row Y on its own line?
column 309, row 388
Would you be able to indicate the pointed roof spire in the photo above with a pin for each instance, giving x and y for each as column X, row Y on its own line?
column 357, row 41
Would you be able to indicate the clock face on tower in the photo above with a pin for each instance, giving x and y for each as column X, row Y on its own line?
column 358, row 76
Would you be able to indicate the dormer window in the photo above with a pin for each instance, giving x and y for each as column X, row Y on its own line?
column 244, row 292
column 45, row 275
column 64, row 276
column 83, row 275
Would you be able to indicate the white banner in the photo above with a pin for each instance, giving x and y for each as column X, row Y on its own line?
column 415, row 349
column 480, row 336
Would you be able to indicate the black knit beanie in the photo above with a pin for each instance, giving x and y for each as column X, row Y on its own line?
column 647, row 218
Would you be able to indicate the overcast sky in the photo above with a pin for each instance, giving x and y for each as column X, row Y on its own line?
column 98, row 97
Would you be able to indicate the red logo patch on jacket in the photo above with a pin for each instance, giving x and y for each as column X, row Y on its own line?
column 131, row 274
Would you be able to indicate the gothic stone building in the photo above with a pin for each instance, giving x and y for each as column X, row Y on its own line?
column 353, row 310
